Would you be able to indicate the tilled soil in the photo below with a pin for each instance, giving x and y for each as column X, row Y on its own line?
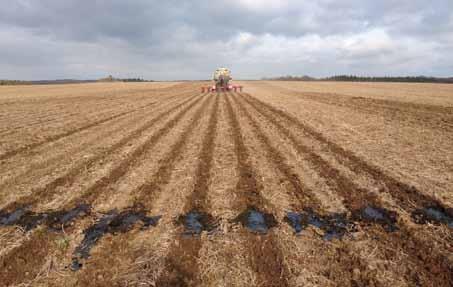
column 161, row 185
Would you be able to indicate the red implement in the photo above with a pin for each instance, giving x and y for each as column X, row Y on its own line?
column 229, row 88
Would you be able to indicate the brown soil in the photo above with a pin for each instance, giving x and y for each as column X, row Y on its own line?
column 190, row 189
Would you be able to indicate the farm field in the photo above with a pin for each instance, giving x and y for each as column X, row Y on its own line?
column 283, row 184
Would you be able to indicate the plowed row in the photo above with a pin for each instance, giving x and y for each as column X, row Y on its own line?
column 154, row 186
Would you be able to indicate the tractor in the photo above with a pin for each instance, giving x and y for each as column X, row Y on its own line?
column 222, row 78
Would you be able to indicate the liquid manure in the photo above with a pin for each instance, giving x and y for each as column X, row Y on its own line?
column 111, row 223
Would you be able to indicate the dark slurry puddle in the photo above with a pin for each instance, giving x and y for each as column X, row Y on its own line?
column 29, row 220
column 377, row 215
column 433, row 214
column 58, row 219
column 256, row 220
column 112, row 223
column 337, row 225
column 295, row 220
column 195, row 222
column 334, row 225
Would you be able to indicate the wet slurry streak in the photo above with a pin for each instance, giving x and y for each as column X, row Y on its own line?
column 146, row 192
column 377, row 215
column 68, row 133
column 342, row 184
column 113, row 222
column 247, row 187
column 434, row 116
column 195, row 222
column 404, row 194
column 256, row 221
column 40, row 122
column 358, row 198
column 93, row 99
column 117, row 123
column 432, row 214
column 24, row 262
column 181, row 261
column 58, row 116
column 198, row 197
column 266, row 259
column 115, row 173
column 119, row 171
column 333, row 226
column 88, row 105
column 337, row 225
column 333, row 177
column 40, row 166
column 106, row 107
column 70, row 177
column 55, row 220
column 434, row 266
column 305, row 197
column 38, row 118
column 42, row 245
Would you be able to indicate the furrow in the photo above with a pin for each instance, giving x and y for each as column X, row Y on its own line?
column 305, row 197
column 266, row 259
column 222, row 259
column 144, row 196
column 54, row 138
column 407, row 196
column 146, row 192
column 37, row 166
column 436, row 267
column 183, row 255
column 332, row 175
column 158, row 104
column 119, row 171
column 44, row 240
column 49, row 189
column 88, row 111
column 70, row 118
column 92, row 96
column 434, row 116
column 42, row 116
column 343, row 252
column 87, row 107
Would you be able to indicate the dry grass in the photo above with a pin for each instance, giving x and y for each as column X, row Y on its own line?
column 279, row 161
column 68, row 90
column 430, row 94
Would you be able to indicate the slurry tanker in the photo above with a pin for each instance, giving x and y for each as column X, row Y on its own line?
column 222, row 79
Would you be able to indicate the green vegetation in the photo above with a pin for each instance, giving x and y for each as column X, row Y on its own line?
column 62, row 243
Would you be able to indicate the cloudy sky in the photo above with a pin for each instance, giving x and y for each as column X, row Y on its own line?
column 164, row 40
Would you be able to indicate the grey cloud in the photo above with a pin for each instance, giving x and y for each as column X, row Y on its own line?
column 187, row 39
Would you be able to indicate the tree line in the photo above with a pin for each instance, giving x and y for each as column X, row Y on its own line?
column 352, row 78
column 68, row 81
column 110, row 78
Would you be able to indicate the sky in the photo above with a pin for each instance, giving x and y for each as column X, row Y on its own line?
column 175, row 40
